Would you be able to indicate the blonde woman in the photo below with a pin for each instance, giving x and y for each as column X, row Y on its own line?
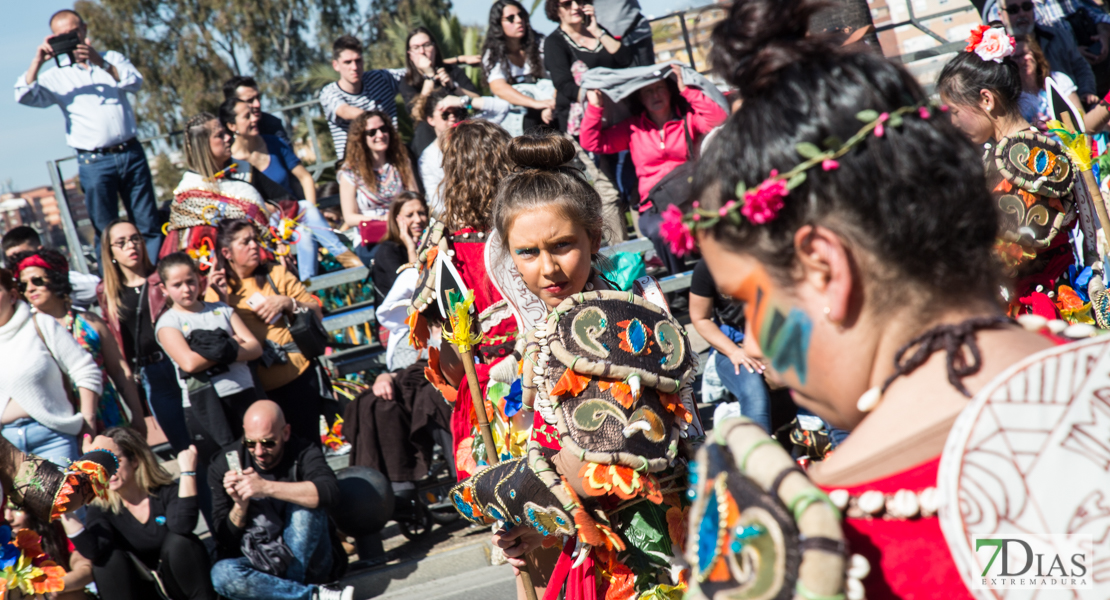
column 132, row 302
column 146, row 516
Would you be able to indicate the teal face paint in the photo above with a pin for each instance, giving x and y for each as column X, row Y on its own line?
column 785, row 340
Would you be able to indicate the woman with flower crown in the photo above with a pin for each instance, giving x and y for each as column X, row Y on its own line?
column 1028, row 173
column 852, row 220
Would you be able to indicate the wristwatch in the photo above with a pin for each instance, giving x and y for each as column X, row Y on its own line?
column 467, row 102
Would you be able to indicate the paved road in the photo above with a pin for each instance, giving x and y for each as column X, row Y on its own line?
column 488, row 583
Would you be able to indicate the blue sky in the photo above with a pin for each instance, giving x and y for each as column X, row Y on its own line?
column 31, row 136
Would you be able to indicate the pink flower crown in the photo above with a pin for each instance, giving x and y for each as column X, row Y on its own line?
column 760, row 205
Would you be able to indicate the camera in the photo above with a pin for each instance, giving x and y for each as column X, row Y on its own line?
column 64, row 43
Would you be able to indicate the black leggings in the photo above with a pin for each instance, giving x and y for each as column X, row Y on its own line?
column 302, row 404
column 183, row 566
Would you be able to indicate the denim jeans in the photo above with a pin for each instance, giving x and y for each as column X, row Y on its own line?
column 306, row 536
column 32, row 437
column 314, row 228
column 105, row 178
column 749, row 389
column 163, row 396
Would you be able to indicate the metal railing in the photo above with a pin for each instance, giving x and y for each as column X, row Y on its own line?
column 699, row 12
column 917, row 22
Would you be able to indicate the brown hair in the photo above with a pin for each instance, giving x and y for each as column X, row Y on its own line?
column 148, row 473
column 1043, row 69
column 394, row 232
column 113, row 277
column 475, row 160
column 198, row 154
column 543, row 178
column 361, row 160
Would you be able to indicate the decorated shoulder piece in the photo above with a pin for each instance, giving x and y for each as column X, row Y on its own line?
column 758, row 528
column 1033, row 190
column 1028, row 459
column 613, row 377
column 761, row 204
column 44, row 489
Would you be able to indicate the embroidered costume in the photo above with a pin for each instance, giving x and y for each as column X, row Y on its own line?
column 610, row 377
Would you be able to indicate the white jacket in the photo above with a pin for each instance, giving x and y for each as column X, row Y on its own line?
column 31, row 377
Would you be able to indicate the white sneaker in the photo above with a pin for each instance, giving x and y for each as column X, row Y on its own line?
column 331, row 593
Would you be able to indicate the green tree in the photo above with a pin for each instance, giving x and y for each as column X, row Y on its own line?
column 186, row 49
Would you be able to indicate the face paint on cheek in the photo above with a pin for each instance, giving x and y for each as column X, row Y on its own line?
column 783, row 333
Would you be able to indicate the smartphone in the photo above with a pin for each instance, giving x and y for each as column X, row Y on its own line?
column 255, row 301
column 233, row 462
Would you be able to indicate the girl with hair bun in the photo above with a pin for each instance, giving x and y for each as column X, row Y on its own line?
column 850, row 216
column 550, row 220
column 1033, row 195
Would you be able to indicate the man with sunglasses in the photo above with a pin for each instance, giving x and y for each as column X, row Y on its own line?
column 272, row 516
column 1057, row 43
column 25, row 239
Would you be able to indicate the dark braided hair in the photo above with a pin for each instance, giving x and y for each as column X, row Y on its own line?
column 913, row 200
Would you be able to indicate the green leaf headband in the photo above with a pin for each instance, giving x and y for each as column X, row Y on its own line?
column 762, row 204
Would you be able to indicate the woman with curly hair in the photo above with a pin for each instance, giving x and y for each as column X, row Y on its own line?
column 474, row 162
column 43, row 279
column 376, row 170
column 513, row 53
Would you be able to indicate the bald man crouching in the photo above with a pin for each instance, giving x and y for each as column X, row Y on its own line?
column 272, row 517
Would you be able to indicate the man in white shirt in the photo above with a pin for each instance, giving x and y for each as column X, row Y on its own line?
column 357, row 91
column 91, row 89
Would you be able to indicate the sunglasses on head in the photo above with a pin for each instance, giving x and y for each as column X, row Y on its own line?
column 1023, row 7
column 267, row 444
column 37, row 281
column 373, row 132
column 513, row 17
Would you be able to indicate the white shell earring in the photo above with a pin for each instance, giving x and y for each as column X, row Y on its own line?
column 870, row 399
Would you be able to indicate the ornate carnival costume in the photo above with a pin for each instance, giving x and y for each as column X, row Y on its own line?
column 610, row 376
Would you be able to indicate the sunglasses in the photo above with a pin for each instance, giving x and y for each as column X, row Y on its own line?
column 567, row 3
column 136, row 239
column 37, row 281
column 1023, row 7
column 513, row 17
column 375, row 131
column 455, row 111
column 267, row 444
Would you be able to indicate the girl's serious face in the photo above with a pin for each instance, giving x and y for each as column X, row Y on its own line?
column 552, row 253
column 182, row 286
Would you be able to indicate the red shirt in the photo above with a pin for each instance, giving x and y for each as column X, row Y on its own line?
column 909, row 558
column 654, row 152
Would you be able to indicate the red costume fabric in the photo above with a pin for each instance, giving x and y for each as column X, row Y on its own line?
column 463, row 415
column 909, row 558
column 469, row 260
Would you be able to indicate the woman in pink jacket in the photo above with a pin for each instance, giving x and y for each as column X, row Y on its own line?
column 655, row 135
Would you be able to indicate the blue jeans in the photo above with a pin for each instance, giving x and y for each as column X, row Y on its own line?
column 306, row 535
column 32, row 437
column 314, row 228
column 749, row 389
column 105, row 178
column 163, row 396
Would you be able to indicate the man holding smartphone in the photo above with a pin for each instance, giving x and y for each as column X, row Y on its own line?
column 91, row 89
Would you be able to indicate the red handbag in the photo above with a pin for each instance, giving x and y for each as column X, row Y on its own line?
column 372, row 232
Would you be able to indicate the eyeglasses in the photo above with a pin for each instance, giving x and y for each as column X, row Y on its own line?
column 375, row 131
column 267, row 444
column 136, row 239
column 1023, row 7
column 513, row 17
column 567, row 3
column 458, row 112
column 424, row 46
column 36, row 281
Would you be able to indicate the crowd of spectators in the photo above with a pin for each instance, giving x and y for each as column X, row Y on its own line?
column 201, row 346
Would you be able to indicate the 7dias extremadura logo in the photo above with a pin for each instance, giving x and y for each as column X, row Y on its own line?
column 1024, row 561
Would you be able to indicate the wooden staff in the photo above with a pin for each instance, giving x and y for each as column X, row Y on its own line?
column 461, row 337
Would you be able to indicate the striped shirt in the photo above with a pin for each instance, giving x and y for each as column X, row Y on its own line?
column 379, row 88
column 1051, row 12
